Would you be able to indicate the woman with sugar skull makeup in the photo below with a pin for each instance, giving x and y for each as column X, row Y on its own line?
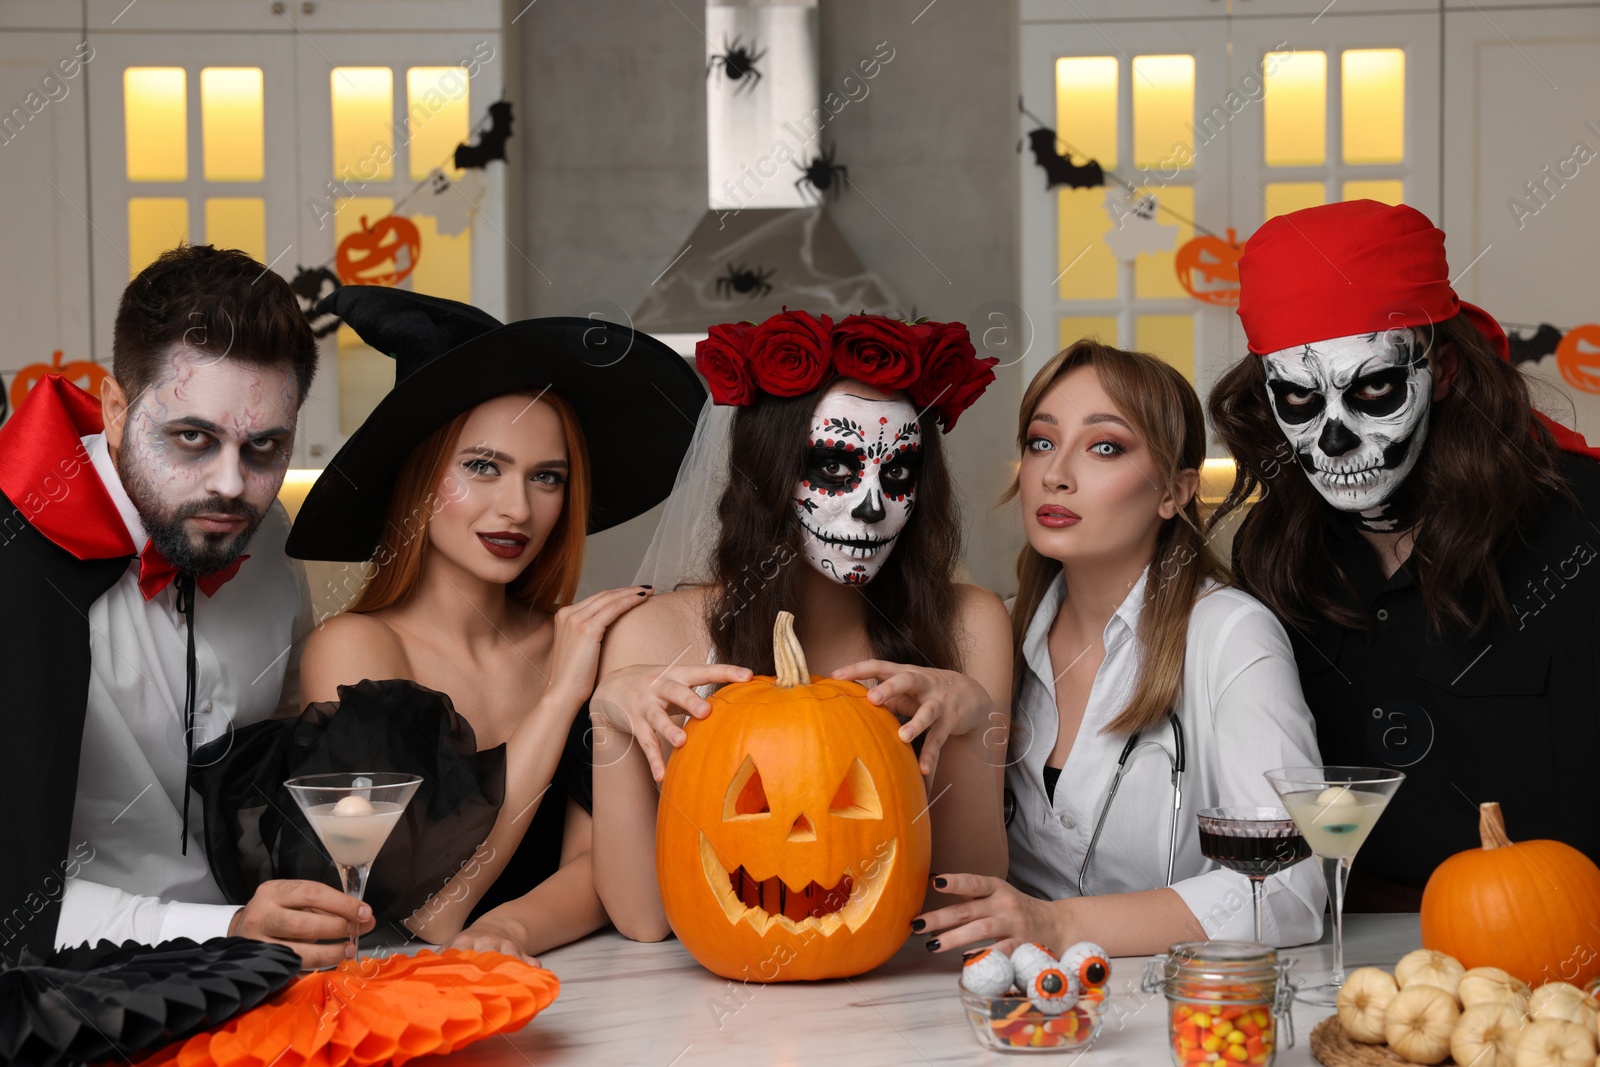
column 1146, row 689
column 1423, row 533
column 835, row 503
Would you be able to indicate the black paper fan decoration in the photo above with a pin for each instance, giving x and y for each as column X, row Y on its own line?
column 86, row 1004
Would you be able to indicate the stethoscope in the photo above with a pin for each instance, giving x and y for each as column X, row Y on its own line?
column 1177, row 762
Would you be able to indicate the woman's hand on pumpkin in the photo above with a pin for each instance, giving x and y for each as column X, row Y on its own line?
column 641, row 700
column 580, row 629
column 943, row 703
column 487, row 937
column 994, row 910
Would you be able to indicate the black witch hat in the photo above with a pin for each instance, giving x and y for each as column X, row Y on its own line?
column 636, row 399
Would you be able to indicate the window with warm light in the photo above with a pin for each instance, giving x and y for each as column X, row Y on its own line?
column 1373, row 106
column 1086, row 119
column 155, row 224
column 1296, row 109
column 437, row 110
column 156, row 124
column 238, row 222
column 232, row 124
column 363, row 118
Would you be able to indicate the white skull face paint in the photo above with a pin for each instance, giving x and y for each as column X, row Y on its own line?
column 1356, row 411
column 859, row 485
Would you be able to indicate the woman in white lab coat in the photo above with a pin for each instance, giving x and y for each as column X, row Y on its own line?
column 1146, row 689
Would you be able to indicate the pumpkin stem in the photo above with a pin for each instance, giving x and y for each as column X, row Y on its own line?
column 787, row 654
column 1492, row 826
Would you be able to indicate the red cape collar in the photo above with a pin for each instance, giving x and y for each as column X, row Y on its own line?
column 45, row 472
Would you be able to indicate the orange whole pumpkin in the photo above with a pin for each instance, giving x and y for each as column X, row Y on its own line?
column 789, row 840
column 1531, row 908
column 80, row 372
column 1578, row 357
column 371, row 255
column 1208, row 269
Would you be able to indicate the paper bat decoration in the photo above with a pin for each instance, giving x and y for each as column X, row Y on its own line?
column 1532, row 349
column 1058, row 169
column 309, row 286
column 491, row 142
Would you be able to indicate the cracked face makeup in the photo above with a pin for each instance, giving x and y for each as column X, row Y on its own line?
column 862, row 459
column 202, row 452
column 1356, row 411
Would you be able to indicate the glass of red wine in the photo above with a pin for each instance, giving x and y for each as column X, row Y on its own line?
column 1256, row 842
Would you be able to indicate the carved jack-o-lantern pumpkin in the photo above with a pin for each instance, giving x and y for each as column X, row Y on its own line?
column 372, row 255
column 1208, row 269
column 790, row 840
column 1578, row 357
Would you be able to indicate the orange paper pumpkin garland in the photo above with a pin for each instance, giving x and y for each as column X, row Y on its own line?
column 1208, row 269
column 1531, row 908
column 373, row 255
column 789, row 839
column 376, row 1011
column 83, row 373
column 1578, row 357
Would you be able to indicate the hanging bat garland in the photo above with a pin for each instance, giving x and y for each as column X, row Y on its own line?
column 1533, row 349
column 1058, row 169
column 309, row 286
column 491, row 142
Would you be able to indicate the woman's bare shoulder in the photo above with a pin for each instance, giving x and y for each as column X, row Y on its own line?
column 669, row 626
column 981, row 610
column 348, row 648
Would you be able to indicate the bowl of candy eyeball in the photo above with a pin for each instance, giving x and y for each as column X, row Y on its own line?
column 1031, row 1001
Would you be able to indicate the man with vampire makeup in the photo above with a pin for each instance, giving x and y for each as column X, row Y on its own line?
column 1426, row 536
column 149, row 609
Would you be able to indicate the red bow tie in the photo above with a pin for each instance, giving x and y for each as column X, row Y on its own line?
column 156, row 573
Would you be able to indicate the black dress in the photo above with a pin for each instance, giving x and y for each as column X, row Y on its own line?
column 255, row 831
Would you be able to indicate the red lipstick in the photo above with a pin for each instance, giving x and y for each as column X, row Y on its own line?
column 1057, row 517
column 506, row 544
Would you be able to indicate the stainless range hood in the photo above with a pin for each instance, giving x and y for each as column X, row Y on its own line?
column 764, row 242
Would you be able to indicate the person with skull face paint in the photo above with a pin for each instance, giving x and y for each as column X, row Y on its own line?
column 837, row 505
column 138, row 624
column 1423, row 533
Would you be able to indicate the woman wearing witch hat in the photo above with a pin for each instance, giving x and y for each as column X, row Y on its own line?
column 470, row 490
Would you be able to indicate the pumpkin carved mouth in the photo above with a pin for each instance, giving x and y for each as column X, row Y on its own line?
column 849, row 902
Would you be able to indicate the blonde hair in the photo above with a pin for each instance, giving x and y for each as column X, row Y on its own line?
column 1164, row 410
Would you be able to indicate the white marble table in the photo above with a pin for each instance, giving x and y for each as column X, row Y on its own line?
column 652, row 1005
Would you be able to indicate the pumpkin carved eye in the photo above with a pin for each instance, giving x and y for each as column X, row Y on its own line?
column 857, row 797
column 746, row 798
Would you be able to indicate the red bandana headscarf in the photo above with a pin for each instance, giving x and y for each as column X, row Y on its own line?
column 1356, row 267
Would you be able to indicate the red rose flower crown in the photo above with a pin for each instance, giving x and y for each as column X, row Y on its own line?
column 793, row 353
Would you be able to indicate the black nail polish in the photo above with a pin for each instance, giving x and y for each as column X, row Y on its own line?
column 933, row 946
column 643, row 594
column 917, row 925
column 939, row 881
column 971, row 952
column 647, row 586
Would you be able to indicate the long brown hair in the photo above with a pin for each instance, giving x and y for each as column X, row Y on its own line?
column 911, row 603
column 1482, row 445
column 1163, row 408
column 547, row 583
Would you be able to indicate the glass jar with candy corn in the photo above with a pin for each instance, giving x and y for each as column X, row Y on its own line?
column 1225, row 1002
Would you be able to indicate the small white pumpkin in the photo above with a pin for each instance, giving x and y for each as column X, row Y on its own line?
column 1486, row 1035
column 1419, row 1023
column 1559, row 1000
column 1429, row 967
column 1491, row 985
column 1364, row 1004
column 1554, row 1043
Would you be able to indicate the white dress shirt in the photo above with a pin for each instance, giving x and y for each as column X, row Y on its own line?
column 1242, row 713
column 135, row 883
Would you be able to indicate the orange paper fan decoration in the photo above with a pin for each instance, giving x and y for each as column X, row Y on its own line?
column 376, row 1011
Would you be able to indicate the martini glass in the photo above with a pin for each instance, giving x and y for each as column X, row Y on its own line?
column 1336, row 808
column 353, row 813
column 1256, row 842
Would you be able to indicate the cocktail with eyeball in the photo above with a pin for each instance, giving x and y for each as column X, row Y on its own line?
column 353, row 814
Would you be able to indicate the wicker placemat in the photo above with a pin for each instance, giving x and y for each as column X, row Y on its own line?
column 1332, row 1046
